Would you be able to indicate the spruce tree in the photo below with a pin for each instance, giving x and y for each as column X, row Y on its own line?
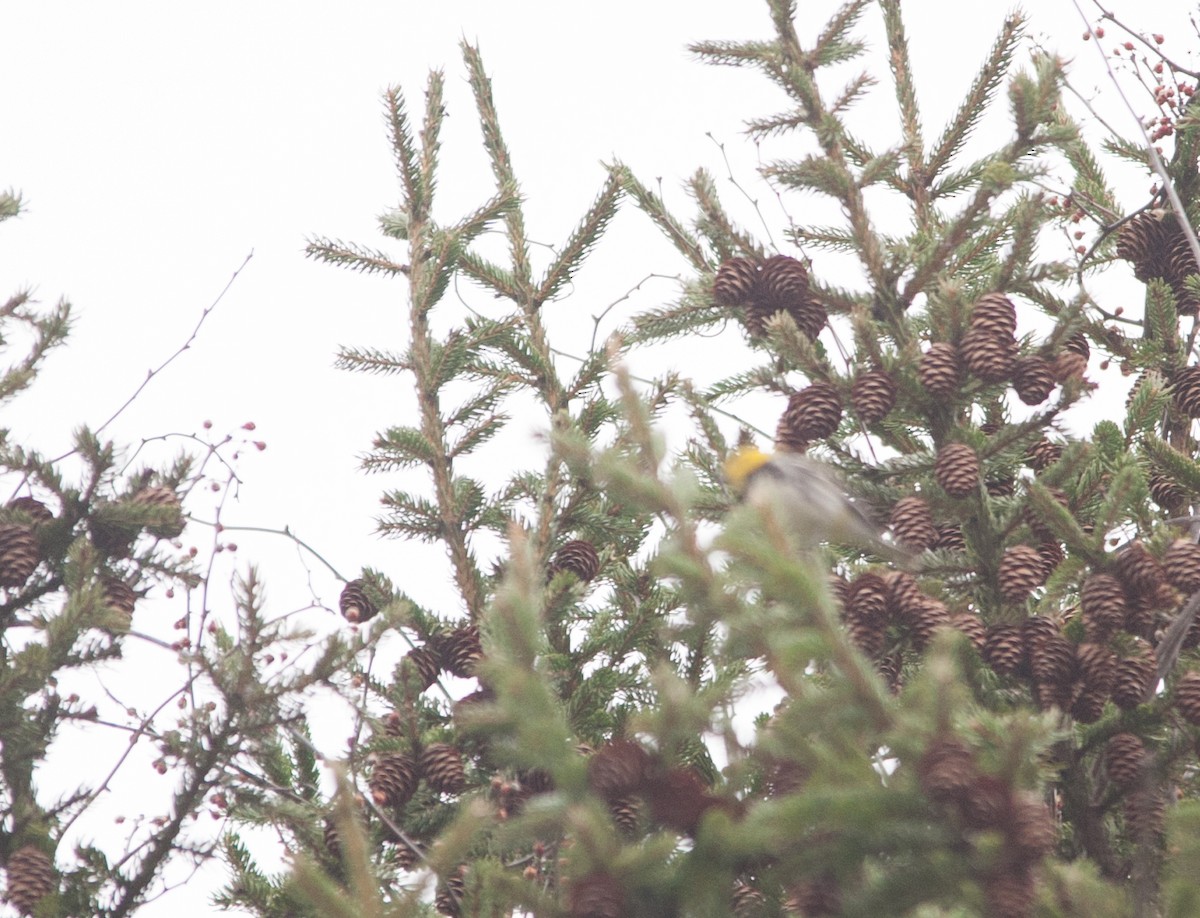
column 1006, row 730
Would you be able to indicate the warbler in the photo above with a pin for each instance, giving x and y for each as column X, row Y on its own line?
column 807, row 498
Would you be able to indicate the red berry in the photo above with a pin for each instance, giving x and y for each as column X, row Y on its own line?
column 1128, row 46
column 250, row 425
column 1158, row 39
column 1099, row 31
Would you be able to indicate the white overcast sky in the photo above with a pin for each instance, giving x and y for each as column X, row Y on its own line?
column 158, row 144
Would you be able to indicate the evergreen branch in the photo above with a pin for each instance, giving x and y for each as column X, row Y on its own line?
column 978, row 97
column 401, row 447
column 654, row 208
column 832, row 46
column 435, row 113
column 501, row 161
column 371, row 360
column 353, row 256
column 490, row 275
column 715, row 225
column 10, row 204
column 906, row 95
column 416, row 195
column 761, row 54
column 581, row 242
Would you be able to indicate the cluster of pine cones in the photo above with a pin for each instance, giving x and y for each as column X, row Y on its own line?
column 1155, row 244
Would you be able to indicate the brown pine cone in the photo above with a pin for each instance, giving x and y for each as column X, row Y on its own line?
column 987, row 803
column 1032, row 833
column 813, row 413
column 1033, row 379
column 1089, row 704
column 1102, row 599
column 1004, row 649
column 946, row 771
column 911, row 521
column 118, row 595
column 956, row 469
column 1011, row 892
column 929, row 615
column 950, row 538
column 996, row 313
column 1134, row 679
column 419, row 668
column 626, row 814
column 30, row 878
column 33, row 509
column 460, row 650
column 1166, row 491
column 1181, row 564
column 1052, row 660
column 441, row 766
column 1021, row 571
column 1097, row 666
column 1185, row 391
column 167, row 503
column 1037, row 524
column 809, row 315
column 989, row 355
column 940, row 370
column 1072, row 361
column 19, row 554
column 1043, row 454
column 597, row 895
column 393, row 779
column 736, row 282
column 618, row 768
column 579, row 557
column 1123, row 757
column 355, row 602
column 867, row 635
column 746, row 901
column 904, row 595
column 973, row 627
column 1139, row 570
column 873, row 395
column 1187, row 697
column 783, row 281
column 1145, row 814
column 867, row 599
column 449, row 897
column 1145, row 241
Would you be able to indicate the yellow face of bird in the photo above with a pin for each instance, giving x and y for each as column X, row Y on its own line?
column 741, row 464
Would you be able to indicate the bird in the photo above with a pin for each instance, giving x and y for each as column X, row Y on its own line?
column 807, row 498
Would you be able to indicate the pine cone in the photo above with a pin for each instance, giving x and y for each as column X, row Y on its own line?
column 1033, row 379
column 118, row 595
column 1010, row 893
column 911, row 521
column 946, row 771
column 873, row 395
column 1134, row 679
column 442, row 767
column 940, row 370
column 393, row 779
column 1097, row 666
column 989, row 355
column 1166, row 492
column 355, row 603
column 1187, row 697
column 165, row 500
column 783, row 281
column 957, row 469
column 579, row 557
column 1089, row 704
column 950, row 538
column 678, row 799
column 1138, row 569
column 460, row 650
column 1037, row 524
column 32, row 508
column 1004, row 649
column 1043, row 454
column 904, row 595
column 30, row 876
column 419, row 668
column 597, row 895
column 867, row 599
column 813, row 413
column 736, row 282
column 1021, row 572
column 973, row 627
column 1072, row 361
column 1102, row 599
column 626, row 813
column 996, row 313
column 1181, row 564
column 1145, row 814
column 1052, row 660
column 110, row 537
column 1123, row 758
column 449, row 897
column 929, row 615
column 867, row 635
column 19, row 554
column 1185, row 391
column 1181, row 263
column 618, row 768
column 1032, row 833
column 809, row 315
column 1052, row 556
column 815, row 898
column 1144, row 241
column 746, row 901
